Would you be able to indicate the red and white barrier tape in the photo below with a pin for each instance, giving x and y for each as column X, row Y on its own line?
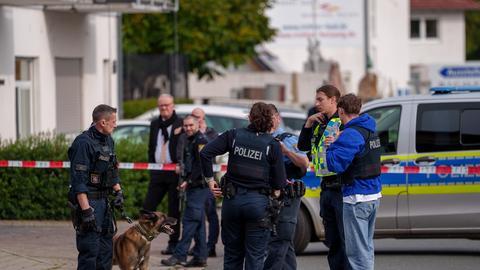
column 123, row 165
column 465, row 170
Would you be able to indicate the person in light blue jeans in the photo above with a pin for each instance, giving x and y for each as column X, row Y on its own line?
column 355, row 157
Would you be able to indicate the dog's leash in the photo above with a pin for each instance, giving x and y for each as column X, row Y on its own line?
column 125, row 216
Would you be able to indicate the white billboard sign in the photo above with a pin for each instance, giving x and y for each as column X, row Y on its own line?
column 334, row 23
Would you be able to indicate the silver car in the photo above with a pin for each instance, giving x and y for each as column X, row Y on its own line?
column 427, row 191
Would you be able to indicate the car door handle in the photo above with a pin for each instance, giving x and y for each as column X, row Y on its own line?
column 425, row 161
column 391, row 161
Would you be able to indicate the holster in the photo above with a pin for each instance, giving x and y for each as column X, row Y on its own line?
column 228, row 189
column 295, row 189
column 299, row 188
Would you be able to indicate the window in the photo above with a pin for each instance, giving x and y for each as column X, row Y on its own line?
column 431, row 28
column 469, row 132
column 23, row 96
column 447, row 127
column 415, row 28
column 388, row 124
column 422, row 28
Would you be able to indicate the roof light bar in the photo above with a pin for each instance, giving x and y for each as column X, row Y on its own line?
column 449, row 89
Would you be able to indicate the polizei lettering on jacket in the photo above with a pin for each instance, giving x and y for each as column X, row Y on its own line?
column 248, row 153
column 375, row 143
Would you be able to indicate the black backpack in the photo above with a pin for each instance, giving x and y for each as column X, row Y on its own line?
column 293, row 171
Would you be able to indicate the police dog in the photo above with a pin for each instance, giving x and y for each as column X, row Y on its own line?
column 131, row 249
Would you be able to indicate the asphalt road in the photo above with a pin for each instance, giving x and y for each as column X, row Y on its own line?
column 41, row 245
column 411, row 254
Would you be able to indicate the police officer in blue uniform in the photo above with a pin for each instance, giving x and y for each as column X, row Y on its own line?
column 93, row 177
column 281, row 252
column 255, row 171
column 331, row 199
column 197, row 192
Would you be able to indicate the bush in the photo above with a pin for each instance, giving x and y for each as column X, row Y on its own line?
column 34, row 193
column 134, row 108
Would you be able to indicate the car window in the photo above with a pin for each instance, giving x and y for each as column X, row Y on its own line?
column 447, row 127
column 293, row 124
column 139, row 133
column 388, row 124
column 224, row 123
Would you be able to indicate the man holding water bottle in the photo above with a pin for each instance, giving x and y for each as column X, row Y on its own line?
column 319, row 130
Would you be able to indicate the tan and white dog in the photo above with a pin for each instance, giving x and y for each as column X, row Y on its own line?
column 131, row 249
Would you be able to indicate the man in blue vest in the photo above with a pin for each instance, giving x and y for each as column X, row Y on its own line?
column 355, row 157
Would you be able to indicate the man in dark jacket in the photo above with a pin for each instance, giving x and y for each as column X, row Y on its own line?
column 164, row 133
column 93, row 177
column 197, row 192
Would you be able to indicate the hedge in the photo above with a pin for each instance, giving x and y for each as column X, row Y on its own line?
column 33, row 193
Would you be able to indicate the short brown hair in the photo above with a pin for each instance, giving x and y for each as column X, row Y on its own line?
column 330, row 91
column 261, row 117
column 350, row 103
column 102, row 111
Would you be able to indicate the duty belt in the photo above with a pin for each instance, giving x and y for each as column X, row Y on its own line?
column 99, row 194
column 331, row 185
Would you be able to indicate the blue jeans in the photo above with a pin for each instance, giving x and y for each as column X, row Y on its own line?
column 359, row 226
column 243, row 235
column 281, row 253
column 213, row 224
column 95, row 247
column 331, row 209
column 193, row 223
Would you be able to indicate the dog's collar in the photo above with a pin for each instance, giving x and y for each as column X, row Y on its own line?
column 145, row 233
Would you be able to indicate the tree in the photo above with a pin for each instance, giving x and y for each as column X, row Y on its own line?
column 472, row 33
column 221, row 31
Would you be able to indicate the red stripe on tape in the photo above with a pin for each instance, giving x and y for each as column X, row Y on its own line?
column 140, row 166
column 384, row 169
column 28, row 164
column 56, row 164
column 443, row 169
column 169, row 167
column 223, row 168
column 3, row 163
column 411, row 169
column 474, row 170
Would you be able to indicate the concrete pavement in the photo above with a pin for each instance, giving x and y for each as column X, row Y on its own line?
column 42, row 245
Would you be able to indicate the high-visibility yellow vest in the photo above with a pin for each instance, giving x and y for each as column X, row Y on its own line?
column 319, row 151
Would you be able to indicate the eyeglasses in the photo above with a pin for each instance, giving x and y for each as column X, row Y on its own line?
column 165, row 105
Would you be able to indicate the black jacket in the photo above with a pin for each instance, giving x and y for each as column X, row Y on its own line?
column 174, row 134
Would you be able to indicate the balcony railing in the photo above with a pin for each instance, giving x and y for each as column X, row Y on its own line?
column 90, row 6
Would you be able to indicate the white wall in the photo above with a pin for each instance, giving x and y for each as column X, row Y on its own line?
column 448, row 48
column 389, row 43
column 45, row 36
column 307, row 83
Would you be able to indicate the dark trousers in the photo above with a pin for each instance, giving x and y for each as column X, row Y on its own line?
column 95, row 247
column 213, row 224
column 331, row 211
column 244, row 237
column 161, row 183
column 194, row 225
column 281, row 253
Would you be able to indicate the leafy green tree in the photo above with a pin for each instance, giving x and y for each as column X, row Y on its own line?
column 220, row 31
column 472, row 29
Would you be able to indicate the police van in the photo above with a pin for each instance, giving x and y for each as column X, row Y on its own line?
column 430, row 168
